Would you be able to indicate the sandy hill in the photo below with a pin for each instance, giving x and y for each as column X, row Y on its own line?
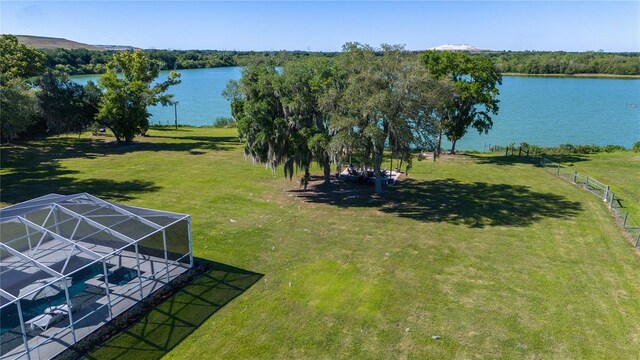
column 455, row 47
column 43, row 42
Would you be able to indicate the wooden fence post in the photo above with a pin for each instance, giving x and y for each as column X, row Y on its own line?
column 586, row 184
column 558, row 170
column 606, row 194
column 575, row 176
column 506, row 151
column 624, row 222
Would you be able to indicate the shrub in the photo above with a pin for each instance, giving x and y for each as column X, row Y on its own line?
column 613, row 148
column 566, row 149
column 636, row 146
column 224, row 122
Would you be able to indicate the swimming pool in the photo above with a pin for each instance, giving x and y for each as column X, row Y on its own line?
column 121, row 276
column 9, row 318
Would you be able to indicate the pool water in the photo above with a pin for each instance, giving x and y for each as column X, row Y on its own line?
column 121, row 276
column 9, row 318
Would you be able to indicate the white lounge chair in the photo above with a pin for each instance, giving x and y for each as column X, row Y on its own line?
column 45, row 320
column 60, row 309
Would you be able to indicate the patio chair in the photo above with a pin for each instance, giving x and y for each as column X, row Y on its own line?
column 44, row 321
column 60, row 309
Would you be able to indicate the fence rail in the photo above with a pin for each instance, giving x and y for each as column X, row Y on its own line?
column 602, row 191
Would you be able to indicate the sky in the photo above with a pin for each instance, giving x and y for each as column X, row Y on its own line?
column 326, row 26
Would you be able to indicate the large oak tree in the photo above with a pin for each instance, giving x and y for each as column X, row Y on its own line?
column 387, row 102
column 280, row 116
column 366, row 101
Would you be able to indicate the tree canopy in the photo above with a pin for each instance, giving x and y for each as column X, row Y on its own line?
column 66, row 106
column 261, row 124
column 475, row 81
column 388, row 101
column 280, row 116
column 18, row 105
column 304, row 85
column 129, row 89
column 320, row 110
column 18, row 60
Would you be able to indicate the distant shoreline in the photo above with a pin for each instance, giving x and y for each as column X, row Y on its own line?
column 603, row 76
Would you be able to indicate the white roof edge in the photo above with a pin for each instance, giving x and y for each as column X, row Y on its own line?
column 39, row 198
column 159, row 211
column 33, row 204
column 54, row 198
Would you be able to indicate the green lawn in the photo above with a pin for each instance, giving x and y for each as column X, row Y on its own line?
column 500, row 259
column 620, row 170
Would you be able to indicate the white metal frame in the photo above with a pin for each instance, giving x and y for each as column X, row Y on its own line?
column 56, row 203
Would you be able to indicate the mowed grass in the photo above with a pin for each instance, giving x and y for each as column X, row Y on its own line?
column 499, row 260
column 620, row 170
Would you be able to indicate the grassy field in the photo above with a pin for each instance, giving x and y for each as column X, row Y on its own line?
column 500, row 259
column 619, row 170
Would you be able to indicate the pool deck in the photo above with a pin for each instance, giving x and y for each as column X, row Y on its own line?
column 56, row 339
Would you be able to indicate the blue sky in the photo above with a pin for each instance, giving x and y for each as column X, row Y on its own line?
column 325, row 26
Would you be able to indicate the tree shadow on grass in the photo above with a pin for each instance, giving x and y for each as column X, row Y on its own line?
column 33, row 168
column 475, row 205
column 31, row 153
column 17, row 188
column 189, row 144
column 220, row 140
column 170, row 128
column 168, row 324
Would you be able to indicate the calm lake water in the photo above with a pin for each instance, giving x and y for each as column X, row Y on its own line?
column 536, row 110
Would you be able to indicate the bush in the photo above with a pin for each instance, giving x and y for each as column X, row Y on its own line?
column 224, row 122
column 566, row 149
column 613, row 148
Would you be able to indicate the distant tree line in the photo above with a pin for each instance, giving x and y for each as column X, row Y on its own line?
column 566, row 63
column 83, row 61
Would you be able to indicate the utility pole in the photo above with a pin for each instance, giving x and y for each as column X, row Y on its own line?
column 175, row 113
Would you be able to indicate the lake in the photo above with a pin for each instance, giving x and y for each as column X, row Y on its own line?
column 543, row 111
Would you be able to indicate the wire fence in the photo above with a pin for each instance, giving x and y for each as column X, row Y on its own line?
column 602, row 191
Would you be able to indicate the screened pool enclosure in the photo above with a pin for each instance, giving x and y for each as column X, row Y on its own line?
column 70, row 263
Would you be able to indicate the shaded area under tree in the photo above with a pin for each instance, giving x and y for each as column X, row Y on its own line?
column 476, row 205
column 533, row 160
